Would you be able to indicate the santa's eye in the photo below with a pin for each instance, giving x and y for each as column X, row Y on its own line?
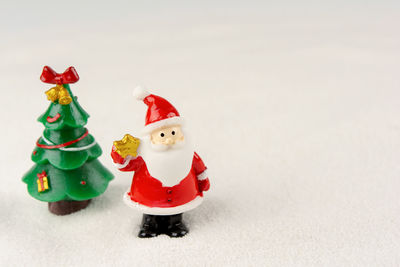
column 173, row 132
column 162, row 134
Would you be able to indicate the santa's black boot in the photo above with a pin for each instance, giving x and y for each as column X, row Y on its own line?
column 149, row 227
column 175, row 228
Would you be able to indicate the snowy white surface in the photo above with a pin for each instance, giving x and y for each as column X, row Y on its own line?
column 294, row 107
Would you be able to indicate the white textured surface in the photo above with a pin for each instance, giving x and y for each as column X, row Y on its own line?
column 294, row 106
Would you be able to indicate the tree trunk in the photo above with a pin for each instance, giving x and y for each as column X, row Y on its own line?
column 65, row 207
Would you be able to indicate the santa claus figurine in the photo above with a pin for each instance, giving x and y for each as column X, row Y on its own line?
column 169, row 176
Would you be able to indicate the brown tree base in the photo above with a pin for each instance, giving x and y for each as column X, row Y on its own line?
column 65, row 207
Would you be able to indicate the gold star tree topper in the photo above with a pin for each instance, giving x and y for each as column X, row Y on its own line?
column 127, row 146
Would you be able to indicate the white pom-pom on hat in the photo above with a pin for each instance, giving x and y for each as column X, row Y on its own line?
column 140, row 93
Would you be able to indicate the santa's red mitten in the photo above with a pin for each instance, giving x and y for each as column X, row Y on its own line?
column 204, row 185
column 117, row 158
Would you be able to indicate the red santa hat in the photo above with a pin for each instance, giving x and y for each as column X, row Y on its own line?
column 160, row 112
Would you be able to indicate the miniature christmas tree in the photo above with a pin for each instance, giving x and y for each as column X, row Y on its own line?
column 67, row 173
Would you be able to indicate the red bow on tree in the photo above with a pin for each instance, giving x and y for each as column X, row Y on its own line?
column 50, row 76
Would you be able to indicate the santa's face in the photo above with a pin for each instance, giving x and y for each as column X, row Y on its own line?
column 168, row 155
column 167, row 136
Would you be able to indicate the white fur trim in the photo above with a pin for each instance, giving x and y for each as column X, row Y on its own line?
column 140, row 93
column 126, row 162
column 162, row 211
column 203, row 175
column 159, row 124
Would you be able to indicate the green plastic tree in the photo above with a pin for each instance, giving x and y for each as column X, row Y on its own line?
column 67, row 173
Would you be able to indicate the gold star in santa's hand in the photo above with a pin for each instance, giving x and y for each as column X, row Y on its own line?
column 127, row 146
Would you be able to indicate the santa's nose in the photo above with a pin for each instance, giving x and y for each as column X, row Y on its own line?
column 169, row 141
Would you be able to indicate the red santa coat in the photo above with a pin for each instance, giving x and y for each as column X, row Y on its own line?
column 150, row 196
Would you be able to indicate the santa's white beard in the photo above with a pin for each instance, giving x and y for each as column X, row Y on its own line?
column 168, row 164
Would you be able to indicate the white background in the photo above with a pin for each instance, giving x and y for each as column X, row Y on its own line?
column 294, row 107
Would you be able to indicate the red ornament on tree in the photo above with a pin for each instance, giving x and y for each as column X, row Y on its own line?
column 53, row 119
